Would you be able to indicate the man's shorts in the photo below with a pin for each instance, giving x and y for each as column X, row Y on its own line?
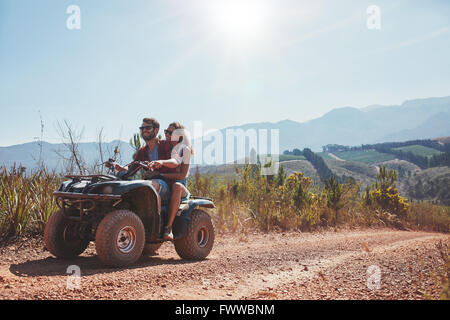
column 164, row 190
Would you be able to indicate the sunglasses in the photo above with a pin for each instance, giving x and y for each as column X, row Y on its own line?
column 146, row 127
column 168, row 132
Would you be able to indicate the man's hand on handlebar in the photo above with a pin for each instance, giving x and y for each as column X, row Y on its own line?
column 117, row 167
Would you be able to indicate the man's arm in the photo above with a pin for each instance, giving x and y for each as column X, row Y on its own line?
column 171, row 163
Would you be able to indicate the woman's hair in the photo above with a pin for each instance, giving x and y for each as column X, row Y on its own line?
column 183, row 137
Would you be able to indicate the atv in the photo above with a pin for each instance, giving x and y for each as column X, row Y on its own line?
column 125, row 219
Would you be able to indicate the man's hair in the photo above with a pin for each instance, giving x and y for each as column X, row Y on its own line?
column 152, row 122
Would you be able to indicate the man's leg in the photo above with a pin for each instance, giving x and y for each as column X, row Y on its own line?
column 178, row 191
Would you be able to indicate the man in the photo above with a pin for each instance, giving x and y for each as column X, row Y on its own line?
column 153, row 150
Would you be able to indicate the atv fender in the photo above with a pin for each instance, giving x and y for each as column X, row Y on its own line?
column 181, row 222
column 127, row 188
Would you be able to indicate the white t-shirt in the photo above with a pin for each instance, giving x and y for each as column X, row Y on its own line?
column 181, row 153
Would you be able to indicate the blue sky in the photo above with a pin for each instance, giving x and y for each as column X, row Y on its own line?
column 198, row 60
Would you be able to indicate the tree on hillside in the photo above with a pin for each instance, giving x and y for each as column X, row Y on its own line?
column 384, row 193
column 333, row 191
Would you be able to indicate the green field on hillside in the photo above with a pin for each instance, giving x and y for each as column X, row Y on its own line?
column 368, row 157
column 289, row 157
column 419, row 150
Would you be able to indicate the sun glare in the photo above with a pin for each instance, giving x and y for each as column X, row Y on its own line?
column 242, row 20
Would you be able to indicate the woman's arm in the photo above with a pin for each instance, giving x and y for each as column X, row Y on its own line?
column 178, row 157
column 178, row 175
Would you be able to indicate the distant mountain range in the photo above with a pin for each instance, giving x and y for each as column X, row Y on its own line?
column 52, row 154
column 414, row 119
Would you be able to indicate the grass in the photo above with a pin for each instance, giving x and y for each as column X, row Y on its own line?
column 26, row 202
column 289, row 157
column 367, row 157
column 429, row 217
column 419, row 150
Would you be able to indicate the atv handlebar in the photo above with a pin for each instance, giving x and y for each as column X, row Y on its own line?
column 132, row 168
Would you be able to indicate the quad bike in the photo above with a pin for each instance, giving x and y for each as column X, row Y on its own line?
column 125, row 219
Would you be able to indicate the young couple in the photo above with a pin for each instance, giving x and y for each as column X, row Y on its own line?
column 168, row 167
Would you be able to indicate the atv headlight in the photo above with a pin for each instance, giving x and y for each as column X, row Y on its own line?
column 107, row 190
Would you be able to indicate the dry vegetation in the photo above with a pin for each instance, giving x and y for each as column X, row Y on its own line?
column 293, row 203
column 247, row 202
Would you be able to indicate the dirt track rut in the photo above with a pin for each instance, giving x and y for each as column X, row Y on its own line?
column 330, row 265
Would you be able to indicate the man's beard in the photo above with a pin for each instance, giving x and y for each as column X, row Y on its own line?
column 149, row 137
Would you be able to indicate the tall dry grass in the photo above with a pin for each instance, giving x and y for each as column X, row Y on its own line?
column 294, row 203
column 26, row 201
column 428, row 216
column 249, row 201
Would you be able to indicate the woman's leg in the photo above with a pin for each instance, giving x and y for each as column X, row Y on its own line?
column 178, row 191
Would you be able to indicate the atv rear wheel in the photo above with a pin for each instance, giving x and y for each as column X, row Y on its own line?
column 62, row 238
column 120, row 238
column 200, row 238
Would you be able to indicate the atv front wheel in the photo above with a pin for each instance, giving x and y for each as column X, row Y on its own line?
column 62, row 238
column 200, row 238
column 120, row 238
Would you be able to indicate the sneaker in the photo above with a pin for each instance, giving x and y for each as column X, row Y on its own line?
column 168, row 235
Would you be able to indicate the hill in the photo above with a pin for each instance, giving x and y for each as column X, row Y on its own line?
column 430, row 184
column 301, row 166
column 353, row 126
column 435, row 126
column 359, row 171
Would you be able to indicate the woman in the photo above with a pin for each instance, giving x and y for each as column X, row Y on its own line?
column 180, row 158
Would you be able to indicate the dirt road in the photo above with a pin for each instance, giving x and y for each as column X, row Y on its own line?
column 364, row 264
